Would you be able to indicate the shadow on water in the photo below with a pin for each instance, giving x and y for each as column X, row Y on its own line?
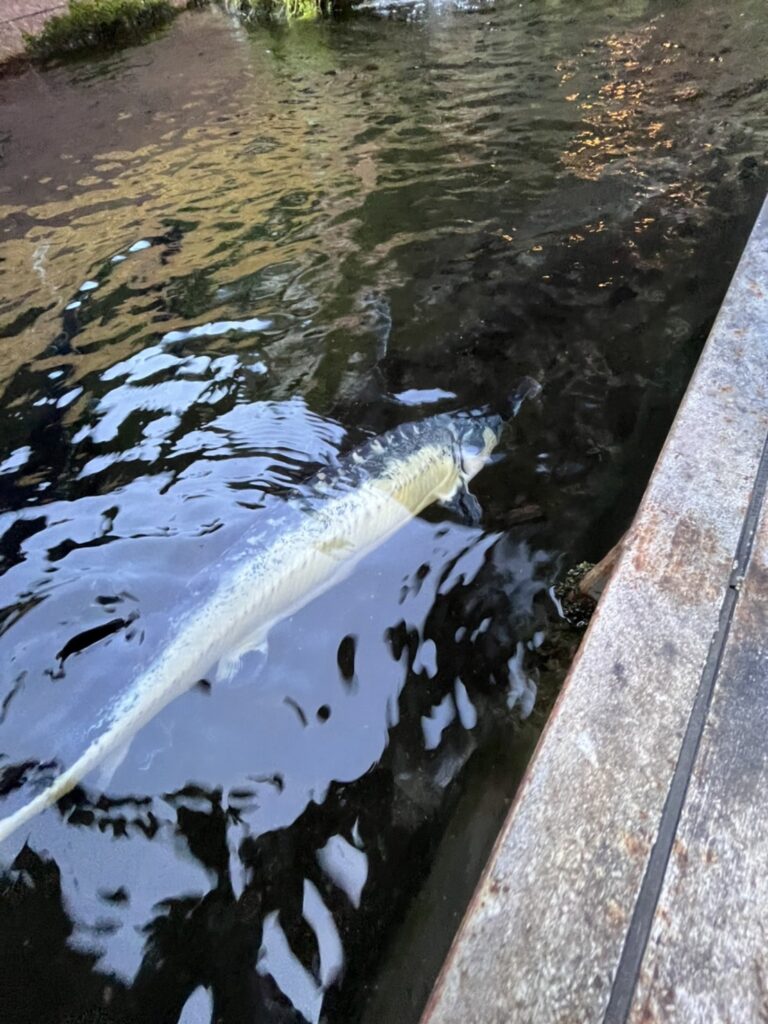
column 229, row 257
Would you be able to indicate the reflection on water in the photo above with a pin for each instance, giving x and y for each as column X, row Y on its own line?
column 228, row 257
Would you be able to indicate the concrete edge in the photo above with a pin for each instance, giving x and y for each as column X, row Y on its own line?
column 520, row 953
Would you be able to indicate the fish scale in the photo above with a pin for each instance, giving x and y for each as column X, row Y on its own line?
column 346, row 514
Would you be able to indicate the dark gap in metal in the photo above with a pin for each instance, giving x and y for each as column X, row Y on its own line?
column 628, row 970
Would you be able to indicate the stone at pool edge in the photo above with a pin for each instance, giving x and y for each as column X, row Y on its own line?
column 577, row 607
column 27, row 17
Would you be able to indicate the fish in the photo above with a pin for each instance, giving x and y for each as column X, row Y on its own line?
column 346, row 512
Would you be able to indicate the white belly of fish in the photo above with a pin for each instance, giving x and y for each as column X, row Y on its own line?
column 303, row 563
column 274, row 583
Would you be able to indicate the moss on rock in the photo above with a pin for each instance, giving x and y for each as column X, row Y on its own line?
column 291, row 9
column 98, row 24
column 577, row 607
column 92, row 25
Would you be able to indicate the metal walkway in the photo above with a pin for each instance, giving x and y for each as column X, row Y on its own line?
column 630, row 882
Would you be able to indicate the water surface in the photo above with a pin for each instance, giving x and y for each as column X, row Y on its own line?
column 228, row 256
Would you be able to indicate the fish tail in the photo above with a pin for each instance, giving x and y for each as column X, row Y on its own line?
column 120, row 731
column 64, row 783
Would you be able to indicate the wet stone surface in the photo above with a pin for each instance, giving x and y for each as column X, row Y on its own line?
column 18, row 17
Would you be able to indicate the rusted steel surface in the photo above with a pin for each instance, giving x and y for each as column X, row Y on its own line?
column 565, row 903
column 707, row 956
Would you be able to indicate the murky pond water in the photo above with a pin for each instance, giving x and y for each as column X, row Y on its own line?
column 229, row 256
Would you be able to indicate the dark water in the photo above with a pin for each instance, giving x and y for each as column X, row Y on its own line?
column 226, row 256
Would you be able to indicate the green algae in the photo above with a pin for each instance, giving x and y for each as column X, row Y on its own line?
column 93, row 25
column 98, row 25
column 292, row 10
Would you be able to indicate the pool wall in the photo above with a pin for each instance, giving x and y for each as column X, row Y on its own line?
column 573, row 915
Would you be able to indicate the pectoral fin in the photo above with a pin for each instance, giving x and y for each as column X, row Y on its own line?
column 464, row 506
column 110, row 764
column 230, row 664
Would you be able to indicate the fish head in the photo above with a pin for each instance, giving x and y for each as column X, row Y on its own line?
column 476, row 436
